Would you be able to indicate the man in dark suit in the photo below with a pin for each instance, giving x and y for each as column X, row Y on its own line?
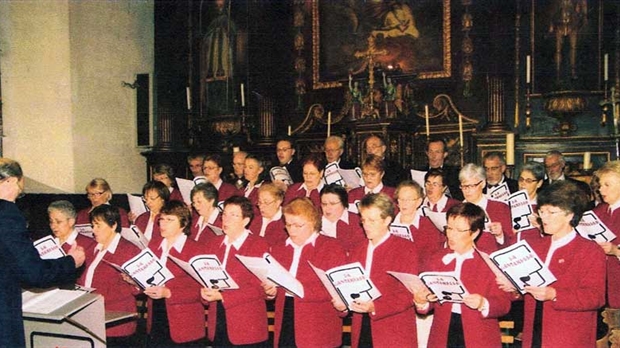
column 495, row 168
column 394, row 172
column 554, row 166
column 21, row 264
column 334, row 148
column 285, row 151
column 437, row 151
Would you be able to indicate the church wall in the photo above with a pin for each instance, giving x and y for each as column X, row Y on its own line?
column 66, row 116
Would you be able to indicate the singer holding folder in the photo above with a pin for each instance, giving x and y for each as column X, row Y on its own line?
column 388, row 321
column 563, row 314
column 106, row 280
column 473, row 323
column 310, row 321
column 236, row 317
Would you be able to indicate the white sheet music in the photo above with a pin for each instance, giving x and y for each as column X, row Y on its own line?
column 445, row 285
column 267, row 268
column 185, row 187
column 208, row 271
column 401, row 231
column 135, row 236
column 136, row 204
column 349, row 282
column 501, row 192
column 48, row 248
column 520, row 210
column 591, row 227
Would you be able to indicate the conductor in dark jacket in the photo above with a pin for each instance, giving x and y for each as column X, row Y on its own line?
column 20, row 263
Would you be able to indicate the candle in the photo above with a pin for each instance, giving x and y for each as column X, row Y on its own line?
column 236, row 149
column 461, row 130
column 428, row 128
column 587, row 163
column 528, row 77
column 329, row 123
column 188, row 95
column 510, row 149
column 289, row 130
column 606, row 67
column 242, row 97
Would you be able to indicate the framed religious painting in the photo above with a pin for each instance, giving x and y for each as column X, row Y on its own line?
column 568, row 43
column 405, row 37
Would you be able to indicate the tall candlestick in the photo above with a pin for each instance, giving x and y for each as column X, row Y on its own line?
column 188, row 95
column 426, row 115
column 329, row 123
column 510, row 149
column 606, row 67
column 289, row 130
column 242, row 97
column 587, row 160
column 528, row 77
column 461, row 131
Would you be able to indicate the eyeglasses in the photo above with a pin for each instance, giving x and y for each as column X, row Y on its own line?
column 542, row 213
column 294, row 225
column 447, row 229
column 283, row 149
column 433, row 184
column 406, row 200
column 263, row 203
column 230, row 215
column 150, row 199
column 330, row 204
column 491, row 169
column 469, row 187
column 528, row 180
column 210, row 168
column 94, row 194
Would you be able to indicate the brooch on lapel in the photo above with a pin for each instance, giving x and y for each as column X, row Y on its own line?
column 561, row 261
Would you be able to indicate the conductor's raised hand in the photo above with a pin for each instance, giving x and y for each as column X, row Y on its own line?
column 77, row 252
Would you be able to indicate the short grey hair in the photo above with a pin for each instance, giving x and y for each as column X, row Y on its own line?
column 335, row 139
column 558, row 154
column 536, row 168
column 64, row 207
column 471, row 170
column 10, row 168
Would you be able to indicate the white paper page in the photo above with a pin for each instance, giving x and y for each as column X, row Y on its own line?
column 412, row 282
column 445, row 285
column 331, row 175
column 267, row 268
column 325, row 281
column 401, row 231
column 352, row 177
column 520, row 210
column 352, row 284
column 85, row 230
column 591, row 227
column 418, row 176
column 135, row 236
column 207, row 270
column 281, row 174
column 48, row 248
column 437, row 218
column 521, row 264
column 500, row 193
column 147, row 270
column 185, row 187
column 48, row 301
column 217, row 230
column 136, row 204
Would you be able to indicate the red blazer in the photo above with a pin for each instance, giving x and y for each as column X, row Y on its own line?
column 176, row 195
column 83, row 217
column 478, row 279
column 186, row 315
column 358, row 193
column 108, row 282
column 613, row 264
column 317, row 322
column 206, row 233
column 427, row 239
column 143, row 220
column 352, row 234
column 82, row 241
column 245, row 307
column 294, row 191
column 394, row 321
column 275, row 233
column 496, row 211
column 226, row 191
column 570, row 320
